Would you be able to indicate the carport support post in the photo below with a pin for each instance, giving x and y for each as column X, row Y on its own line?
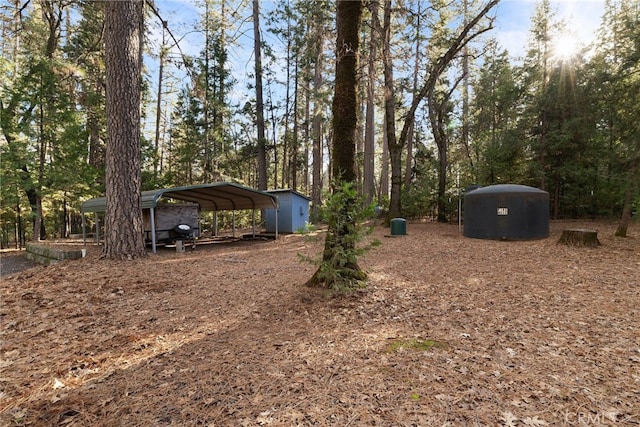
column 253, row 222
column 234, row 222
column 97, row 228
column 215, row 223
column 153, row 229
column 84, row 231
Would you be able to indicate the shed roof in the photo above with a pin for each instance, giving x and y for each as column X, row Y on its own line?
column 287, row 191
column 217, row 196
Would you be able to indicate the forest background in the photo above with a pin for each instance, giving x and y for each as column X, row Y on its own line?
column 561, row 115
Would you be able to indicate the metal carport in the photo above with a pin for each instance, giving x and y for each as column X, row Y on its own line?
column 215, row 197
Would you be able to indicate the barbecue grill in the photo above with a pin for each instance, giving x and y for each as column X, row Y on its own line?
column 185, row 232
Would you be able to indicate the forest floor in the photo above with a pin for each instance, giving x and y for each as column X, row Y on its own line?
column 450, row 331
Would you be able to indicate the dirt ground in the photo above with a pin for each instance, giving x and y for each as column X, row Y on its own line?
column 450, row 331
column 13, row 261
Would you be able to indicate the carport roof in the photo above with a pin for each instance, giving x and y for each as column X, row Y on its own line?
column 218, row 196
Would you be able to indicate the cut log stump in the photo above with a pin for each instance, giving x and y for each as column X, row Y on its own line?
column 580, row 237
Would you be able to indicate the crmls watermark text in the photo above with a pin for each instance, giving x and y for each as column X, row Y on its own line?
column 587, row 418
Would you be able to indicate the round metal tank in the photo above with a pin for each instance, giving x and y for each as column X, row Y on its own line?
column 506, row 212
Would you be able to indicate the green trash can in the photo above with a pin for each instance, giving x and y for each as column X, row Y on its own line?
column 398, row 227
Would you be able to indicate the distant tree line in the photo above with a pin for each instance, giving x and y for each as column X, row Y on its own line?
column 441, row 106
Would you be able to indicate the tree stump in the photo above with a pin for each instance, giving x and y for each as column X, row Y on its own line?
column 580, row 237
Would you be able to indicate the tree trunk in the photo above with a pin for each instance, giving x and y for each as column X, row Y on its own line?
column 344, row 141
column 123, row 56
column 262, row 149
column 556, row 198
column 316, row 129
column 285, row 176
column 408, row 172
column 296, row 129
column 66, row 224
column 383, row 186
column 395, row 149
column 219, row 116
column 96, row 156
column 38, row 222
column 369, row 127
column 306, row 129
column 632, row 186
column 345, row 115
column 156, row 141
column 436, row 117
column 19, row 230
column 206, row 98
column 465, row 92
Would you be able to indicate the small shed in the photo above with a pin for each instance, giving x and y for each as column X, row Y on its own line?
column 506, row 212
column 292, row 214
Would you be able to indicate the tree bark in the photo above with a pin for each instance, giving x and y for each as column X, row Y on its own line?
column 632, row 187
column 123, row 219
column 296, row 129
column 465, row 92
column 284, row 176
column 436, row 118
column 439, row 113
column 306, row 137
column 345, row 97
column 262, row 149
column 345, row 113
column 206, row 104
column 316, row 128
column 395, row 148
column 408, row 172
column 369, row 127
column 156, row 140
column 383, row 186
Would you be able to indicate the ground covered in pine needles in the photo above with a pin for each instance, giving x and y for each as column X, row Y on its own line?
column 450, row 331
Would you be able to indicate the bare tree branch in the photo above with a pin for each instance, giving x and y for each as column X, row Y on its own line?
column 443, row 62
column 185, row 59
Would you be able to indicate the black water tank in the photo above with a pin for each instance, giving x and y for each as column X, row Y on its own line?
column 506, row 212
column 471, row 188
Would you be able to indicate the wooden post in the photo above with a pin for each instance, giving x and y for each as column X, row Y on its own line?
column 580, row 237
